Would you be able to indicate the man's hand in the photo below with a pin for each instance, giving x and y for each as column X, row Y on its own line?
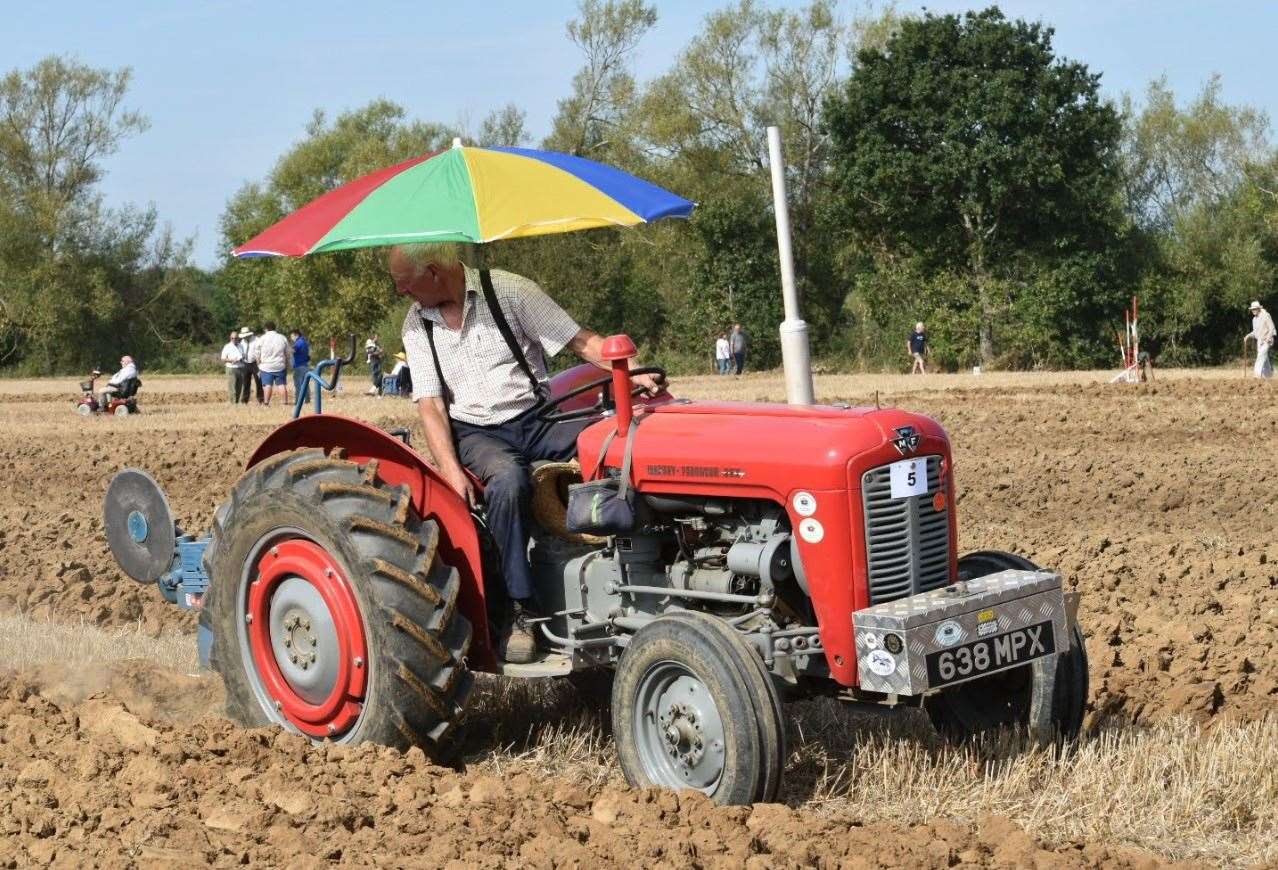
column 653, row 384
column 458, row 480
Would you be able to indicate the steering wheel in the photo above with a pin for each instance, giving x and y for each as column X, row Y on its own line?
column 604, row 403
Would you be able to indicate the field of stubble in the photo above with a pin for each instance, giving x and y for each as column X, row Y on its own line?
column 1155, row 501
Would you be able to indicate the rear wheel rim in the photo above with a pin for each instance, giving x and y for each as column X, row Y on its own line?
column 302, row 637
column 678, row 730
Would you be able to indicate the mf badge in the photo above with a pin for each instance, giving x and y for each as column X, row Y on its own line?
column 906, row 440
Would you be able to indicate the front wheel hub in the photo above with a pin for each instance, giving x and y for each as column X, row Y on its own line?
column 306, row 637
column 679, row 729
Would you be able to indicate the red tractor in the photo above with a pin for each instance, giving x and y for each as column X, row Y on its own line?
column 775, row 552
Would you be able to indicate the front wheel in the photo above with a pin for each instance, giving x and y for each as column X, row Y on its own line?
column 1047, row 696
column 693, row 708
column 332, row 613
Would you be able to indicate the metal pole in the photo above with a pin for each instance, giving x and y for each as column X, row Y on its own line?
column 795, row 354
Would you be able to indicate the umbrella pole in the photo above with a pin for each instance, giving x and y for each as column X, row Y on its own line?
column 795, row 353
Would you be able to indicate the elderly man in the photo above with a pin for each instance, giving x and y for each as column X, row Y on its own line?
column 233, row 359
column 1262, row 330
column 477, row 344
column 119, row 379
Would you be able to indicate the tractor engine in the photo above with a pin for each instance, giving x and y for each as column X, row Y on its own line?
column 733, row 558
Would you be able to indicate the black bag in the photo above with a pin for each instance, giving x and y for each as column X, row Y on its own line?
column 605, row 506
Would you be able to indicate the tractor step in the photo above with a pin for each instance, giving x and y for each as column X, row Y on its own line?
column 551, row 664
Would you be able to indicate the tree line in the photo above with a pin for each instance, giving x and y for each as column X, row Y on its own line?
column 947, row 168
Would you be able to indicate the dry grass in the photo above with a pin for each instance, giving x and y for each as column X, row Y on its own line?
column 1174, row 788
column 26, row 644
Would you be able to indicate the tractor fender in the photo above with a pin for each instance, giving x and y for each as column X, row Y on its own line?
column 397, row 463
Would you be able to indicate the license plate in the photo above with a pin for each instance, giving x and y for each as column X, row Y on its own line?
column 991, row 654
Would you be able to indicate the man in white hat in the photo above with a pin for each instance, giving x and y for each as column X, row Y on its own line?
column 1262, row 330
column 233, row 358
column 252, row 381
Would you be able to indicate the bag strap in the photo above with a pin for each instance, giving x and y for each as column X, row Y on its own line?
column 603, row 452
column 503, row 326
column 629, row 455
column 429, row 326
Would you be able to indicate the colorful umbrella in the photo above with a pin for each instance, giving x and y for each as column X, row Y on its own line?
column 468, row 194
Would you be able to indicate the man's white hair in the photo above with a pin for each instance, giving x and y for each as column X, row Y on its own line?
column 421, row 254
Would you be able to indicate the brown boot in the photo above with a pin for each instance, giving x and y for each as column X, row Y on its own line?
column 518, row 644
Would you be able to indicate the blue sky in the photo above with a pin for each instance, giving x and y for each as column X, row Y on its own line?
column 229, row 84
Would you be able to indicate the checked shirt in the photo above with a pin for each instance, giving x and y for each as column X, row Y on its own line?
column 487, row 383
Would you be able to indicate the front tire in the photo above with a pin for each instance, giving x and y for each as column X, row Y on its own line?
column 692, row 708
column 1050, row 703
column 332, row 613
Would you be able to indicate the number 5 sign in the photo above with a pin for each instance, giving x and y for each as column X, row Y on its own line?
column 909, row 477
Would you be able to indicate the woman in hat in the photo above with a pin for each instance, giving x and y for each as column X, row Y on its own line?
column 402, row 374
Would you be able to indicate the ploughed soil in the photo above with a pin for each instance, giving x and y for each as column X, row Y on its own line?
column 1156, row 502
column 128, row 772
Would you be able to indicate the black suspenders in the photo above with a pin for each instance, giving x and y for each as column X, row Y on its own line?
column 503, row 326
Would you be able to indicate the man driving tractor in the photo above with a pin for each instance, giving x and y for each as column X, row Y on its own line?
column 477, row 344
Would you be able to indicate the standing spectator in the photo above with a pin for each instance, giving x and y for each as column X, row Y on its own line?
column 301, row 365
column 1262, row 329
column 737, row 342
column 270, row 352
column 233, row 357
column 722, row 354
column 402, row 374
column 373, row 356
column 252, row 383
column 917, row 348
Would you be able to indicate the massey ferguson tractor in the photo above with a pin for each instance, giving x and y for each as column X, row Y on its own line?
column 716, row 558
column 776, row 552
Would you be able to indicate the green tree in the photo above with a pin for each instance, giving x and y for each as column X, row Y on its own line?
column 504, row 126
column 965, row 140
column 1197, row 178
column 80, row 282
column 598, row 111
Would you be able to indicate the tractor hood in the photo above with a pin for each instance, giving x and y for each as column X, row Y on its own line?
column 753, row 450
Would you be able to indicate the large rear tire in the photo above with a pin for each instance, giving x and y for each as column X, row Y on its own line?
column 331, row 611
column 1011, row 699
column 693, row 708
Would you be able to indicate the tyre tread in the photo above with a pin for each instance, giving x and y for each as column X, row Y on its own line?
column 417, row 633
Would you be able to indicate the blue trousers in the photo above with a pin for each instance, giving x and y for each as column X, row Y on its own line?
column 300, row 383
column 501, row 456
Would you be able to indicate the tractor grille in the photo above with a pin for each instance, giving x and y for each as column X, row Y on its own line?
column 907, row 540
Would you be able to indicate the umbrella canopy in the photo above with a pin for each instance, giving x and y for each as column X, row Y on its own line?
column 467, row 194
